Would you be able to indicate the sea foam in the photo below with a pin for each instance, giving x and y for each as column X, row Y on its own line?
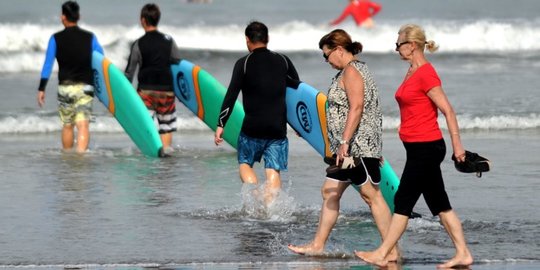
column 22, row 46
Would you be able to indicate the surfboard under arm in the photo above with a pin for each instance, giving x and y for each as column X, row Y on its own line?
column 117, row 94
column 203, row 95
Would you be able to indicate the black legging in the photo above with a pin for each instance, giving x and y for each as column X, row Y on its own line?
column 422, row 175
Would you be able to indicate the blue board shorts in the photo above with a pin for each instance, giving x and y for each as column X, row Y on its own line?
column 274, row 151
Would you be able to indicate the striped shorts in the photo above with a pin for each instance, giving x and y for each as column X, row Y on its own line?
column 162, row 107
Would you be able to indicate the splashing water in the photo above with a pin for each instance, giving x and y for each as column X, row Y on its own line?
column 259, row 203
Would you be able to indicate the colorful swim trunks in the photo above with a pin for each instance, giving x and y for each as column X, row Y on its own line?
column 75, row 103
column 162, row 107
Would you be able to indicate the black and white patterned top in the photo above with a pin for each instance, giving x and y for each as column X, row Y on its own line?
column 367, row 140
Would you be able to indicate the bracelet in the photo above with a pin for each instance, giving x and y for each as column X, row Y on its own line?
column 341, row 142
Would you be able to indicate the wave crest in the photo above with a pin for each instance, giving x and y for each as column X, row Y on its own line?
column 31, row 123
column 22, row 46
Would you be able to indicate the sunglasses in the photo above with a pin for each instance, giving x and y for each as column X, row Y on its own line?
column 398, row 45
column 325, row 56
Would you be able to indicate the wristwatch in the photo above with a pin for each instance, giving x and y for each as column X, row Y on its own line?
column 343, row 142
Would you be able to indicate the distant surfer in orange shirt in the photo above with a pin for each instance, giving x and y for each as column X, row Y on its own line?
column 361, row 11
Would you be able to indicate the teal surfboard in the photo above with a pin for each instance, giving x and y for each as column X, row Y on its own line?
column 203, row 95
column 306, row 113
column 115, row 91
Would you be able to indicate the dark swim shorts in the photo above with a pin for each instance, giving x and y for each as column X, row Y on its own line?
column 274, row 152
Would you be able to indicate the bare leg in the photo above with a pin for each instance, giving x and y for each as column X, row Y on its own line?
column 331, row 193
column 381, row 214
column 247, row 174
column 395, row 230
column 67, row 136
column 452, row 224
column 272, row 186
column 83, row 136
column 166, row 139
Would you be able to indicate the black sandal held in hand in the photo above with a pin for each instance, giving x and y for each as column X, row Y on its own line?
column 346, row 163
column 473, row 163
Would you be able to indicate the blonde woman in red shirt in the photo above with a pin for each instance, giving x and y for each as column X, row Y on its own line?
column 420, row 97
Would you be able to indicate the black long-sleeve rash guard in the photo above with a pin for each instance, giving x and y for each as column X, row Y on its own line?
column 262, row 76
column 153, row 53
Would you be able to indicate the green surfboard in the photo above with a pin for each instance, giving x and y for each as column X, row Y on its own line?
column 115, row 91
column 203, row 95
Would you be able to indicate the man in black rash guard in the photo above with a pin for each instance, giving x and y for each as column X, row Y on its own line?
column 154, row 53
column 262, row 76
column 72, row 48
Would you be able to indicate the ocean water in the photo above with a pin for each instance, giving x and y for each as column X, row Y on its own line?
column 116, row 209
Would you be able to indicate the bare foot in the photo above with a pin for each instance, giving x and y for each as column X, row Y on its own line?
column 459, row 261
column 308, row 249
column 394, row 256
column 372, row 258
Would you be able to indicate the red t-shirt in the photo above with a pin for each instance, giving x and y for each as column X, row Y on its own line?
column 359, row 10
column 418, row 112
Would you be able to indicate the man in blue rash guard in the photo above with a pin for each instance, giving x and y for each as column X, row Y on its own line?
column 72, row 48
column 262, row 76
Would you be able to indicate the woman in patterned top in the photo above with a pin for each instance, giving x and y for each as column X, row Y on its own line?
column 354, row 122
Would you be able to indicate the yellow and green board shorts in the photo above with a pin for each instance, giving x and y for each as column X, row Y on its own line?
column 75, row 103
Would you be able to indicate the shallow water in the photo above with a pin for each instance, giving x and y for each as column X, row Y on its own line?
column 114, row 206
